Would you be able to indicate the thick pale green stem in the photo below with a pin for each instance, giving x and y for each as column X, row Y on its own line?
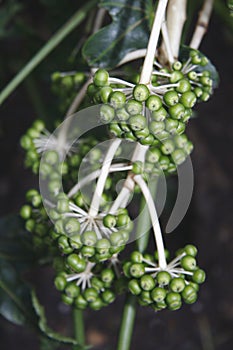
column 67, row 28
column 129, row 313
column 79, row 331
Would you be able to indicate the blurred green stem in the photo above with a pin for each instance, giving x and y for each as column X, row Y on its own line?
column 79, row 331
column 51, row 44
column 129, row 313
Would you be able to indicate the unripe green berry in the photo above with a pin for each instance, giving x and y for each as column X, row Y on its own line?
column 101, row 77
column 189, row 294
column 156, row 127
column 136, row 257
column 173, row 301
column 177, row 65
column 30, row 225
column 71, row 226
column 66, row 299
column 60, row 283
column 147, row 282
column 80, row 302
column 117, row 99
column 141, row 92
column 171, row 98
column 167, row 147
column 122, row 114
column 117, row 239
column 190, row 250
column 188, row 99
column 153, row 155
column 137, row 122
column 178, row 156
column 145, row 297
column 158, row 294
column 188, row 263
column 134, row 107
column 89, row 238
column 26, row 212
column 163, row 278
column 142, row 134
column 164, row 162
column 109, row 221
column 77, row 263
column 159, row 115
column 107, row 275
column 175, row 77
column 154, row 103
column 177, row 111
column 108, row 296
column 134, row 287
column 138, row 167
column 103, row 246
column 177, row 284
column 63, row 205
column 97, row 304
column 199, row 276
column 183, row 86
column 105, row 92
column 90, row 294
column 137, row 270
column 107, row 114
column 72, row 290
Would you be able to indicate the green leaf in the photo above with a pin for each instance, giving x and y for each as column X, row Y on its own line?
column 15, row 303
column 43, row 326
column 129, row 31
column 184, row 55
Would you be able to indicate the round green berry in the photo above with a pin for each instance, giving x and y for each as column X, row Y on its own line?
column 66, row 299
column 177, row 284
column 107, row 275
column 183, row 86
column 134, row 287
column 145, row 297
column 103, row 246
column 189, row 263
column 108, row 296
column 189, row 294
column 167, row 147
column 72, row 290
column 147, row 282
column 109, row 221
column 153, row 155
column 77, row 263
column 134, row 107
column 26, row 212
column 87, row 251
column 117, row 99
column 105, row 92
column 159, row 115
column 137, row 122
column 158, row 294
column 171, row 125
column 122, row 114
column 188, row 99
column 101, row 77
column 156, row 127
column 177, row 111
column 71, row 226
column 175, row 77
column 190, row 250
column 137, row 270
column 80, row 302
column 136, row 257
column 90, row 294
column 117, row 239
column 199, row 276
column 141, row 92
column 163, row 278
column 171, row 98
column 154, row 103
column 177, row 65
column 178, row 156
column 60, row 283
column 107, row 114
column 138, row 167
column 173, row 301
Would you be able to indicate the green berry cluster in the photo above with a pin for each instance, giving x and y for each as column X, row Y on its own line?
column 96, row 239
column 166, row 288
column 65, row 86
column 36, row 220
column 84, row 284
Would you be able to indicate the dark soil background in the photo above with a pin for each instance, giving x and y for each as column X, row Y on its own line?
column 206, row 325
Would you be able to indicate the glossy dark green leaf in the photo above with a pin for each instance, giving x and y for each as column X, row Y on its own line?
column 15, row 303
column 129, row 31
column 44, row 328
column 184, row 55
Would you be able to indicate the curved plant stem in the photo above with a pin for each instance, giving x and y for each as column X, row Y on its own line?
column 129, row 313
column 55, row 40
column 79, row 331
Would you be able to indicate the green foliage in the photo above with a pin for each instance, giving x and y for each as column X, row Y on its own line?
column 128, row 31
